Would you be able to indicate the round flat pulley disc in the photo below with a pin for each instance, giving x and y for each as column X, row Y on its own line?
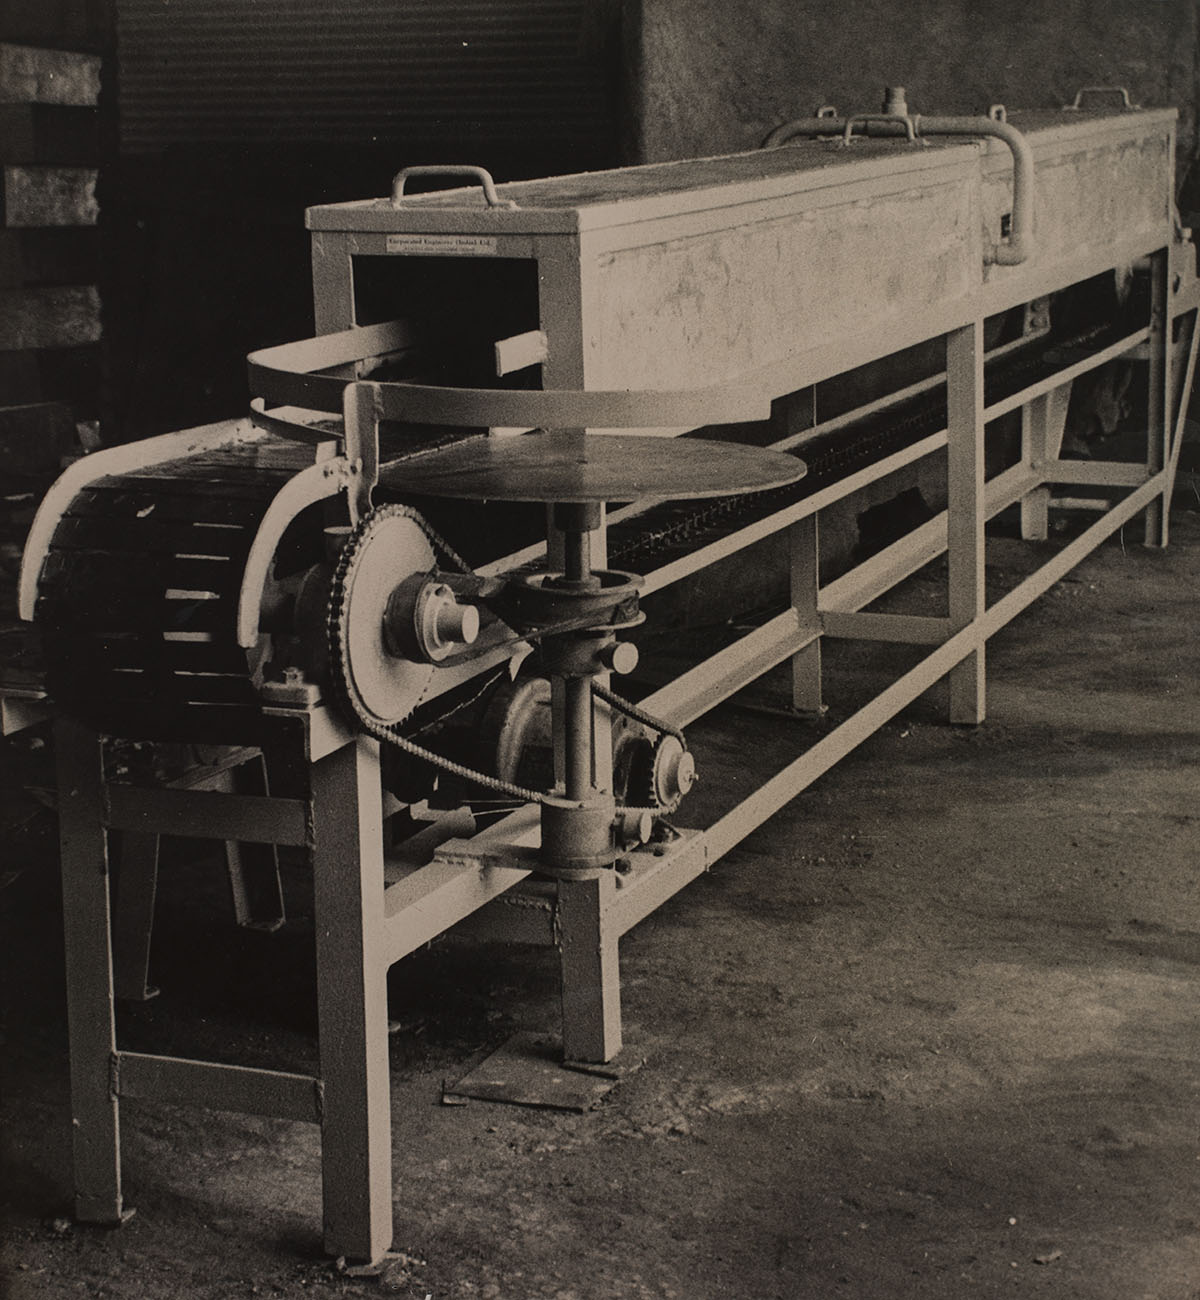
column 393, row 547
column 577, row 468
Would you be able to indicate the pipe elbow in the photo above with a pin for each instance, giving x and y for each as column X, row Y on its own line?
column 1019, row 245
column 1013, row 252
column 801, row 128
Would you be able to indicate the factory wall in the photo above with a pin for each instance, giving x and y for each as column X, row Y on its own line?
column 708, row 83
column 233, row 118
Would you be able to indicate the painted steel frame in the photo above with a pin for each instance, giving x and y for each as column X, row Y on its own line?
column 370, row 912
column 364, row 924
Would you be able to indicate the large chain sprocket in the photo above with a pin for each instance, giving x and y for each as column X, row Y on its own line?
column 390, row 544
column 355, row 652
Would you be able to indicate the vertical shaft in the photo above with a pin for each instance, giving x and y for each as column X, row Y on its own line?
column 578, row 736
column 577, row 555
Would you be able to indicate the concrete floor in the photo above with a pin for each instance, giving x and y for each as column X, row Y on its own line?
column 930, row 1032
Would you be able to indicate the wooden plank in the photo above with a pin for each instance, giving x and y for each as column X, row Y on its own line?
column 49, row 318
column 49, row 133
column 29, row 75
column 528, row 349
column 218, row 1087
column 49, row 196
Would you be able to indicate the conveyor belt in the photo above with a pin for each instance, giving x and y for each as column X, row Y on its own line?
column 139, row 591
column 657, row 536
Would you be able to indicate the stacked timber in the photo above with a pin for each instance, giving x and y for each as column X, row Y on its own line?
column 49, row 302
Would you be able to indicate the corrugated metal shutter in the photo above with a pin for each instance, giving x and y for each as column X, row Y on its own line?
column 280, row 72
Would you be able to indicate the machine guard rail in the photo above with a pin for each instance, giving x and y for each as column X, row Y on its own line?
column 288, row 375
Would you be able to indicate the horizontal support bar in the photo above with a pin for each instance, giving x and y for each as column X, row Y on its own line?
column 728, row 671
column 1079, row 503
column 208, row 815
column 769, row 798
column 912, row 629
column 648, row 889
column 1102, row 473
column 869, row 580
column 515, row 917
column 922, row 386
column 1066, row 375
column 464, row 875
column 217, row 1087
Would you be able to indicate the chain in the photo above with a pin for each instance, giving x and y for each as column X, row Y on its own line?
column 389, row 733
column 636, row 713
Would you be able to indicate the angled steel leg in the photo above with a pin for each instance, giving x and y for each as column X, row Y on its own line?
column 965, row 512
column 803, row 542
column 95, row 1130
column 1158, row 401
column 253, row 868
column 133, row 915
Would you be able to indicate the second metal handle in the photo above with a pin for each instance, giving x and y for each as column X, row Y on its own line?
column 480, row 174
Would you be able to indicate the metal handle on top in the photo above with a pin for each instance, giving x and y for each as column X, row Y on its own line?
column 1102, row 90
column 480, row 174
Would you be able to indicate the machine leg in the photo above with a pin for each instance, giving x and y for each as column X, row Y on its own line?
column 133, row 916
column 356, row 1144
column 591, row 981
column 1158, row 412
column 253, row 868
column 1042, row 424
column 803, row 541
column 965, row 551
column 91, row 1030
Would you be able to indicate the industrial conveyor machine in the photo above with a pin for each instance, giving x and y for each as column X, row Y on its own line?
column 398, row 568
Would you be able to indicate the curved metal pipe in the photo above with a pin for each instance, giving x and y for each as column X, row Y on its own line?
column 1020, row 243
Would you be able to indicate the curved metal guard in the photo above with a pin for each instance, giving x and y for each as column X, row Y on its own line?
column 288, row 375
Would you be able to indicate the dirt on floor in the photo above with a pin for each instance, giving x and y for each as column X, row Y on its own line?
column 933, row 1031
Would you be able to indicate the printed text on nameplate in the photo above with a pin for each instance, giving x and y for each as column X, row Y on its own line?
column 444, row 245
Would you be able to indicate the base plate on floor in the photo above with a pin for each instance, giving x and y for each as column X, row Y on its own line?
column 528, row 1070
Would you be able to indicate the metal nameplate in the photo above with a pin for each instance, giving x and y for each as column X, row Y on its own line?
column 444, row 245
